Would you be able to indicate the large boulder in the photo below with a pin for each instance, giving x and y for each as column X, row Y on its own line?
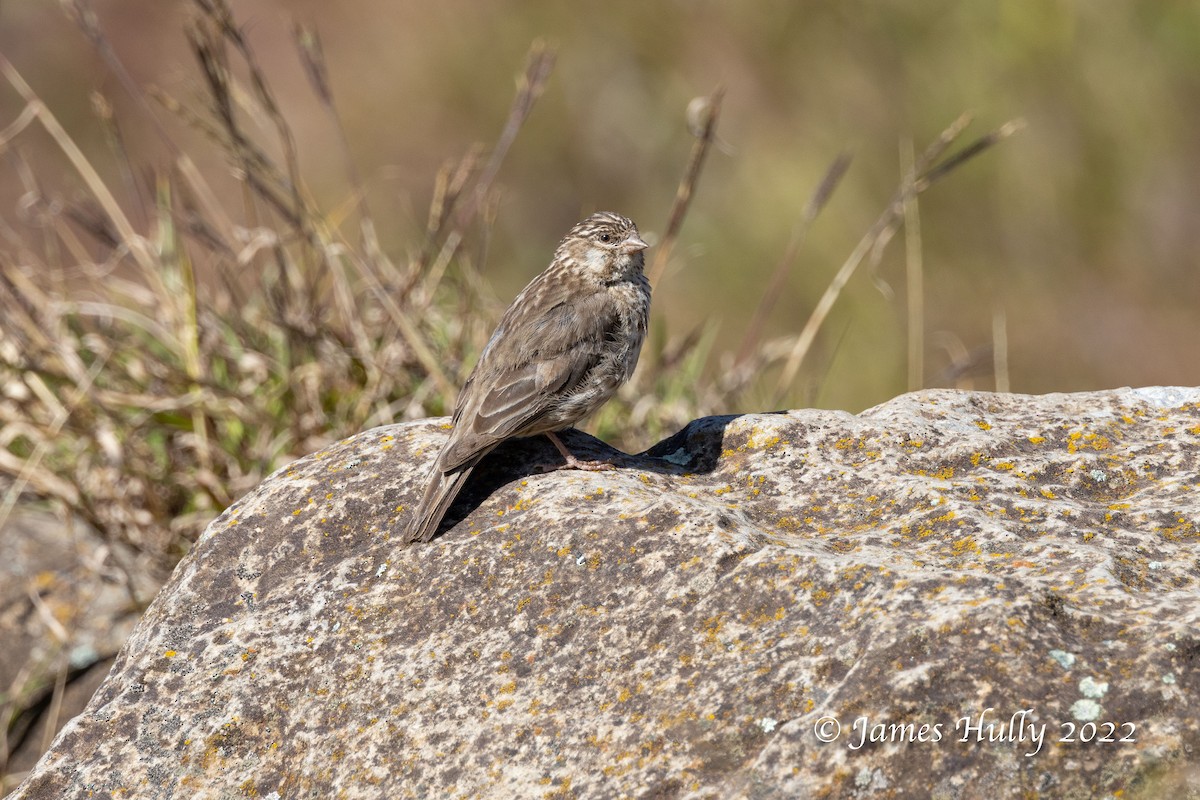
column 949, row 595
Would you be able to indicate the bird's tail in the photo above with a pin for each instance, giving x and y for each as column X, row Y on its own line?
column 439, row 495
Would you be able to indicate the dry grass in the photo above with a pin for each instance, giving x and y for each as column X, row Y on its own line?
column 162, row 352
column 153, row 373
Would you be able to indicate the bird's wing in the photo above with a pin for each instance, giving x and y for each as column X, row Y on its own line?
column 539, row 351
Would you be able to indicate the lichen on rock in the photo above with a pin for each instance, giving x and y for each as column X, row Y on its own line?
column 925, row 586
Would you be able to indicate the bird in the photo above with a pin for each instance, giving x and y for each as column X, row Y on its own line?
column 569, row 340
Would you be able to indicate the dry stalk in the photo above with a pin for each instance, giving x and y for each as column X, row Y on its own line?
column 924, row 174
column 812, row 209
column 705, row 112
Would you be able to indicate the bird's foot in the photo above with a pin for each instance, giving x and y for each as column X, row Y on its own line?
column 571, row 462
column 589, row 466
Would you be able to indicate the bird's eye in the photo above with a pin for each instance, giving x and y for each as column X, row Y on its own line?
column 606, row 237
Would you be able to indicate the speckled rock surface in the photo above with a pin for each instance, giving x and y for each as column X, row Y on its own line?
column 66, row 607
column 944, row 565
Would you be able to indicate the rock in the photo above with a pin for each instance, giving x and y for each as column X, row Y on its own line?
column 66, row 607
column 1019, row 572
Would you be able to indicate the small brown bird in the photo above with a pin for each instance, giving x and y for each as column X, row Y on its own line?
column 562, row 349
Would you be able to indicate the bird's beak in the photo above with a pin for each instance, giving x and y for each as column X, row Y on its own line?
column 633, row 244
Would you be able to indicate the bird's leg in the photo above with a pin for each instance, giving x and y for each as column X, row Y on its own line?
column 572, row 461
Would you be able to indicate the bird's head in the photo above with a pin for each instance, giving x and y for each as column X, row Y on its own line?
column 606, row 245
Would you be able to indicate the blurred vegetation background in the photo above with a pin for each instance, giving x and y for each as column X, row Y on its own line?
column 1081, row 230
column 232, row 234
column 1063, row 260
